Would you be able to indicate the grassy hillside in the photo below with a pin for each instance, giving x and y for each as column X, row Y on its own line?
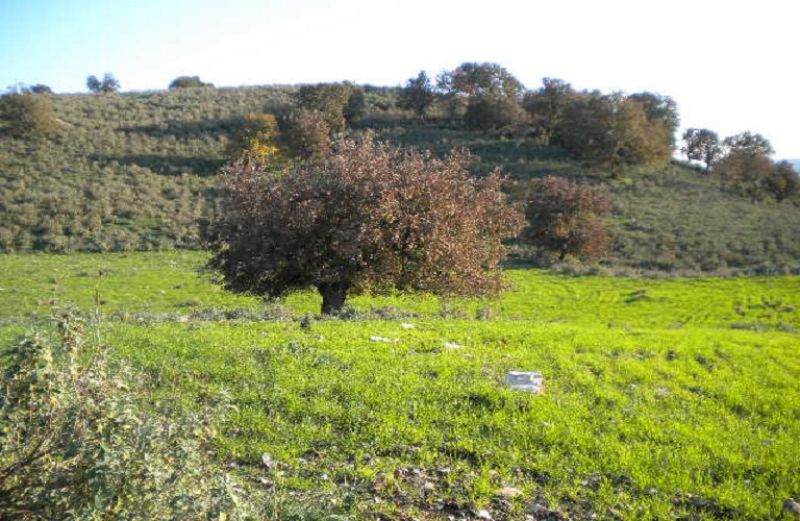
column 137, row 172
column 665, row 399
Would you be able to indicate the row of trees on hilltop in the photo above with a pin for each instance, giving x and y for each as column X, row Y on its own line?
column 613, row 131
column 742, row 161
column 609, row 130
column 109, row 83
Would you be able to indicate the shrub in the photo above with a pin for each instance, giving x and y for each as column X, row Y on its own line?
column 371, row 216
column 307, row 135
column 27, row 114
column 188, row 82
column 495, row 113
column 783, row 181
column 340, row 104
column 40, row 88
column 417, row 95
column 747, row 171
column 258, row 136
column 80, row 440
column 565, row 218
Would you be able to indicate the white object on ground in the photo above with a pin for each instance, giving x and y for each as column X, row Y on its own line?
column 384, row 339
column 528, row 381
column 510, row 492
column 406, row 325
column 452, row 345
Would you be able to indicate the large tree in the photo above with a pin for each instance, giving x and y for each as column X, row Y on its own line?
column 660, row 109
column 481, row 80
column 369, row 217
column 547, row 106
column 702, row 144
column 614, row 132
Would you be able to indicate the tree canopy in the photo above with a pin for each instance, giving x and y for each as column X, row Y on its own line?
column 481, row 80
column 565, row 218
column 370, row 216
column 702, row 144
column 613, row 131
column 417, row 95
column 108, row 84
column 188, row 82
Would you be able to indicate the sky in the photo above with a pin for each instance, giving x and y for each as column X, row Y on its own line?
column 730, row 65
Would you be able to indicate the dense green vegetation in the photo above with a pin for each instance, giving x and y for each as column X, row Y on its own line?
column 138, row 171
column 665, row 398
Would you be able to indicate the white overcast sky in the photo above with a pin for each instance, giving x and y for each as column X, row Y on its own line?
column 731, row 66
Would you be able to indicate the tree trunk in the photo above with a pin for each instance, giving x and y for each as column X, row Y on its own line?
column 333, row 296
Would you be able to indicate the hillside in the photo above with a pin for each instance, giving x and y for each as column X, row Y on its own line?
column 137, row 171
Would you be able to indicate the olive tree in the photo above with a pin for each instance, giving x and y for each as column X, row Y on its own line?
column 367, row 217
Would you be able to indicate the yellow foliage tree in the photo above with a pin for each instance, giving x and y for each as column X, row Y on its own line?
column 258, row 137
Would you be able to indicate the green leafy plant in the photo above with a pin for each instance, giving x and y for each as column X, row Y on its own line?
column 80, row 439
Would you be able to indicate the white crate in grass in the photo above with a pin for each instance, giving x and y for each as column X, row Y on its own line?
column 527, row 381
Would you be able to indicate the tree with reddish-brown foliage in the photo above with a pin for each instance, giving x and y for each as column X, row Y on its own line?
column 367, row 217
column 565, row 218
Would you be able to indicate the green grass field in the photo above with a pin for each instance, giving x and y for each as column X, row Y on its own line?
column 665, row 399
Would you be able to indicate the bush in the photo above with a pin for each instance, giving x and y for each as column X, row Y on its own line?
column 258, row 136
column 371, row 216
column 783, row 181
column 565, row 218
column 746, row 171
column 417, row 95
column 40, row 88
column 188, row 82
column 495, row 113
column 79, row 439
column 340, row 104
column 27, row 114
column 307, row 135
